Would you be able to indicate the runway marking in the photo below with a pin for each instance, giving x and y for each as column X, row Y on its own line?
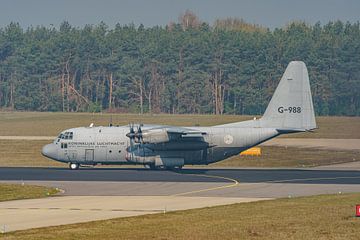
column 234, row 184
column 310, row 179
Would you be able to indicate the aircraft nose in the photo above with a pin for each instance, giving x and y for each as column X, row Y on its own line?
column 50, row 151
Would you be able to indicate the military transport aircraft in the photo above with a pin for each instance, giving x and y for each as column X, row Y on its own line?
column 162, row 147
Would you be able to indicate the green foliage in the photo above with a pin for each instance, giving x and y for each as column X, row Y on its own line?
column 94, row 107
column 231, row 67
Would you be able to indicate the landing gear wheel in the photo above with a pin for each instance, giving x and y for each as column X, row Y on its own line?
column 152, row 166
column 74, row 166
column 176, row 168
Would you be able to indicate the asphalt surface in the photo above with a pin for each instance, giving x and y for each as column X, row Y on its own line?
column 297, row 176
column 103, row 193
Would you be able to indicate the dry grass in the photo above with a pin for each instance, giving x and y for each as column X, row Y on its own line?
column 317, row 217
column 14, row 192
column 334, row 128
column 291, row 157
column 28, row 154
column 50, row 124
column 24, row 153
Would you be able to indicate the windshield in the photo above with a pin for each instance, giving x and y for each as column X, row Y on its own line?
column 65, row 135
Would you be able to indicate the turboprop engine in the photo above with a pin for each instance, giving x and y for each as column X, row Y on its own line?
column 152, row 136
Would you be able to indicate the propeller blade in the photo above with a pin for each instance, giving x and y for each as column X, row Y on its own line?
column 138, row 134
column 131, row 134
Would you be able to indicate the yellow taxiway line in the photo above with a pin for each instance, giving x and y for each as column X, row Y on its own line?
column 234, row 184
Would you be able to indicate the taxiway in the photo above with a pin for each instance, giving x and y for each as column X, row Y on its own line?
column 103, row 193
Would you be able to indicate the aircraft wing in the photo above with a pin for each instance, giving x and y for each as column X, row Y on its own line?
column 164, row 134
column 185, row 131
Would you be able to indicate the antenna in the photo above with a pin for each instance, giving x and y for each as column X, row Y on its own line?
column 110, row 123
column 93, row 116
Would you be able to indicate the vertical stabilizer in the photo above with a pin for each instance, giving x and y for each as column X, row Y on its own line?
column 291, row 107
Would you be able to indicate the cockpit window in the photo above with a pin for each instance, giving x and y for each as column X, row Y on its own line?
column 66, row 135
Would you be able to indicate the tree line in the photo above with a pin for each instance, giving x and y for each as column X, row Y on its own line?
column 230, row 67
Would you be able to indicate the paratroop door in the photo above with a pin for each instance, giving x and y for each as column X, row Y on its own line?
column 89, row 154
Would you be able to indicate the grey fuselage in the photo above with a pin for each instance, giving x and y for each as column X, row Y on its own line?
column 110, row 145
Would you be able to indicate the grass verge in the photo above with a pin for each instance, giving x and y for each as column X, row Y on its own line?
column 25, row 154
column 316, row 217
column 14, row 192
column 50, row 124
column 291, row 157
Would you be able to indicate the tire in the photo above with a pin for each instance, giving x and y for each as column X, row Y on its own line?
column 74, row 166
column 152, row 166
column 175, row 168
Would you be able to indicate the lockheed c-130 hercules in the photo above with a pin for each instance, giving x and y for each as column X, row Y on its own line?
column 289, row 111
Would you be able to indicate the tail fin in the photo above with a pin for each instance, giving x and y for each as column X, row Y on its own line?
column 291, row 107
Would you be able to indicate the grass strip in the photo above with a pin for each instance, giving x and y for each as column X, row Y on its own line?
column 315, row 217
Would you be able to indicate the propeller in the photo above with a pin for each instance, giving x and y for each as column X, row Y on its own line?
column 131, row 134
column 139, row 135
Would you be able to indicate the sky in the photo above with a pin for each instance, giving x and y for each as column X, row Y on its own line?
column 268, row 13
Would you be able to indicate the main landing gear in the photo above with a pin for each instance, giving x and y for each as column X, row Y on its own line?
column 173, row 168
column 74, row 166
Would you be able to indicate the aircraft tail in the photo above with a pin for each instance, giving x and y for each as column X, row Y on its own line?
column 291, row 107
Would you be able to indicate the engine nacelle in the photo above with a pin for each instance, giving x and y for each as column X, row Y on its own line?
column 153, row 136
column 169, row 162
column 156, row 160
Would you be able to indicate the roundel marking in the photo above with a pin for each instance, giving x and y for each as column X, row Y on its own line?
column 228, row 139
